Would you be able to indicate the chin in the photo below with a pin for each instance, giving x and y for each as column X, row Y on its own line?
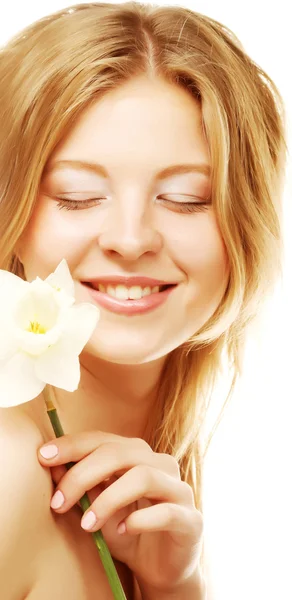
column 129, row 351
column 123, row 355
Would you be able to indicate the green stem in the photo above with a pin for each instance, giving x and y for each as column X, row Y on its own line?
column 104, row 553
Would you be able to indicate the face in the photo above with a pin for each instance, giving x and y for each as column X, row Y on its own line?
column 129, row 218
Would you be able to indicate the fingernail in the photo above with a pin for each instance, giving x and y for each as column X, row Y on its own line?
column 122, row 527
column 57, row 500
column 49, row 451
column 88, row 520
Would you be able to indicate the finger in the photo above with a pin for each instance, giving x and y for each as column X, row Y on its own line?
column 165, row 517
column 184, row 527
column 116, row 460
column 140, row 482
column 57, row 473
column 74, row 447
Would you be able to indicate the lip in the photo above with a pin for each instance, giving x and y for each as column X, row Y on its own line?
column 129, row 307
column 128, row 280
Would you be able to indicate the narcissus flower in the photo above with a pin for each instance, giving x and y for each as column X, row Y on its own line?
column 42, row 333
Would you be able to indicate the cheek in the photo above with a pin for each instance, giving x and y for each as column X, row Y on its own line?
column 199, row 250
column 50, row 237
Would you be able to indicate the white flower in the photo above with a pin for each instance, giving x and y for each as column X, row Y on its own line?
column 42, row 333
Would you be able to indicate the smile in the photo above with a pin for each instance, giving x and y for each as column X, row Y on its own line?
column 129, row 300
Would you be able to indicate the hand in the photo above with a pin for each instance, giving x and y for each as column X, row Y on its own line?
column 162, row 541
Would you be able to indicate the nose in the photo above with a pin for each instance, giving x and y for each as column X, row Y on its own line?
column 129, row 232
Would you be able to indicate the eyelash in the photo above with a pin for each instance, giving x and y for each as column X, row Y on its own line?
column 183, row 207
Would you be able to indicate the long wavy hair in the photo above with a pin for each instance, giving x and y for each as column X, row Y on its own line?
column 55, row 68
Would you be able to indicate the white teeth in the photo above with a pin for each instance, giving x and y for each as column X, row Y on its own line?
column 135, row 292
column 121, row 292
column 110, row 290
column 146, row 291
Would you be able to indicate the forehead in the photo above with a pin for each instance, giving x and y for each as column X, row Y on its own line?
column 153, row 122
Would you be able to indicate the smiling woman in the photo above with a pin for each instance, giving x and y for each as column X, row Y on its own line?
column 137, row 215
column 143, row 145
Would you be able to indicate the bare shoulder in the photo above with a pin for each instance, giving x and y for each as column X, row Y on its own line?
column 25, row 489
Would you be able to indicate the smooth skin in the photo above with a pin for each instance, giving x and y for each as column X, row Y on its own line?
column 133, row 223
column 163, row 535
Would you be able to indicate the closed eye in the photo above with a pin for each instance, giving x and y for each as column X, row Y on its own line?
column 178, row 206
column 187, row 207
column 70, row 204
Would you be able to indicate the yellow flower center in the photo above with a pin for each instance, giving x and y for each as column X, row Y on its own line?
column 35, row 327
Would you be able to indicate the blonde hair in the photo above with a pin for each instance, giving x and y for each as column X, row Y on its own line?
column 62, row 63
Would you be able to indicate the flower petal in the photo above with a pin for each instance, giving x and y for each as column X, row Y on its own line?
column 82, row 320
column 36, row 344
column 18, row 381
column 8, row 342
column 59, row 367
column 12, row 289
column 61, row 278
column 39, row 304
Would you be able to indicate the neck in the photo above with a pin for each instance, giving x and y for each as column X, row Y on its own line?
column 110, row 397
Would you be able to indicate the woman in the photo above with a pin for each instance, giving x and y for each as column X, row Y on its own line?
column 143, row 145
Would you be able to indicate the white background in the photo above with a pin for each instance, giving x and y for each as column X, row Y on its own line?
column 247, row 488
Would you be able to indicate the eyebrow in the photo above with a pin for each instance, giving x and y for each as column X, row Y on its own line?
column 203, row 168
